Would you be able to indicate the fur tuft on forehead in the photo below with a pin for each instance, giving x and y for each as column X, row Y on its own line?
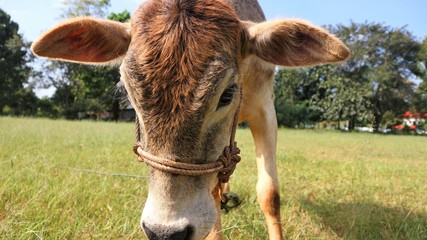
column 172, row 43
column 172, row 63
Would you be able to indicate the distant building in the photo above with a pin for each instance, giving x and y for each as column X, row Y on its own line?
column 412, row 120
column 127, row 113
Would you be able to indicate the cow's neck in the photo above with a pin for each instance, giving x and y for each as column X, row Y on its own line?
column 248, row 10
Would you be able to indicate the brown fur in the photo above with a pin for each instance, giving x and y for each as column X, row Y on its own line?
column 181, row 38
column 271, row 202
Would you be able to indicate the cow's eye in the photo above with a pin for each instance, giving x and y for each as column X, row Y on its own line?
column 227, row 96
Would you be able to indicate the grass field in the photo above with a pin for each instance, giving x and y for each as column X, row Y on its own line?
column 58, row 180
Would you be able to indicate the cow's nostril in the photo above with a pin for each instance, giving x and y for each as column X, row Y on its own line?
column 150, row 234
column 161, row 232
column 184, row 234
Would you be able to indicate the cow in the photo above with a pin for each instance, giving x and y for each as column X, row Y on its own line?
column 192, row 70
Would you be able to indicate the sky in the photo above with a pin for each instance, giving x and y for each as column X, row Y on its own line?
column 37, row 16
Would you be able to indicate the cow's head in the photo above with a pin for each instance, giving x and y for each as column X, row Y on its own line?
column 180, row 64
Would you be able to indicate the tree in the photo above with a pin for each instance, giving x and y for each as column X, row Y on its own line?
column 120, row 17
column 83, row 88
column 293, row 91
column 387, row 59
column 340, row 97
column 16, row 97
column 94, row 8
column 376, row 80
column 420, row 103
column 422, row 58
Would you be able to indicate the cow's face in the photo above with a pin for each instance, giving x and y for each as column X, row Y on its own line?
column 181, row 74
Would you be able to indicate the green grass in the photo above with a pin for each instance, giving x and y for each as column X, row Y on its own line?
column 333, row 185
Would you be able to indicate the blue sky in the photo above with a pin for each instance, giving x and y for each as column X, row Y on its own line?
column 35, row 16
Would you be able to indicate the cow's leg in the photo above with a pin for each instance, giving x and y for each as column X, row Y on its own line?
column 263, row 125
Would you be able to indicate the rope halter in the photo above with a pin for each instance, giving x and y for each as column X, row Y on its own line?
column 224, row 166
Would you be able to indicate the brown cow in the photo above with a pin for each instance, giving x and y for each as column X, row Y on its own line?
column 185, row 65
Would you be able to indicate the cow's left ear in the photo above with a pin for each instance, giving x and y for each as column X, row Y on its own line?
column 84, row 40
column 295, row 43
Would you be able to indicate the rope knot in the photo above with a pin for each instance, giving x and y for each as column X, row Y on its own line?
column 229, row 158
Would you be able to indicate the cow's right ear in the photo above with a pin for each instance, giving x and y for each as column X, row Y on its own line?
column 295, row 43
column 85, row 40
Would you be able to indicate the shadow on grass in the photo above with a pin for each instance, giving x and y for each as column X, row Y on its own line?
column 366, row 220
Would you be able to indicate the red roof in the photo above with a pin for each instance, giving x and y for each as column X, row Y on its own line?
column 407, row 114
column 400, row 127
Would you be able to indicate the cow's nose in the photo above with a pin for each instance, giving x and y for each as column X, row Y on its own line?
column 160, row 232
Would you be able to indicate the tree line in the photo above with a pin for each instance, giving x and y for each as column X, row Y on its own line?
column 385, row 77
column 78, row 88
